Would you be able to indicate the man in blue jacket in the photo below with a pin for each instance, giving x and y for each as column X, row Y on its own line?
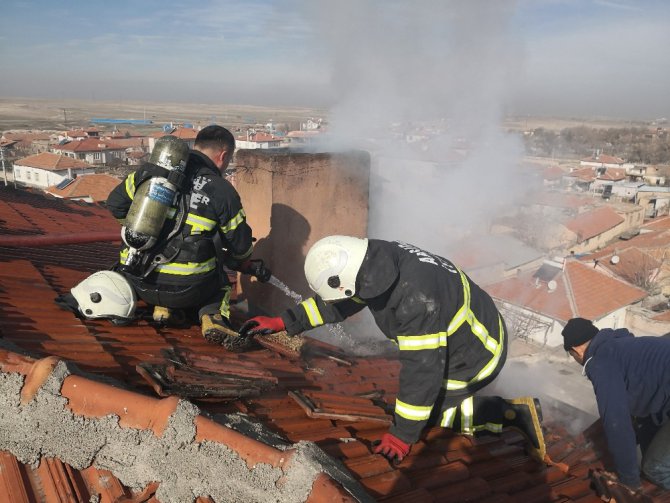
column 631, row 380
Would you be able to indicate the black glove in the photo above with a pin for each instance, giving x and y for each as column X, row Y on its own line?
column 256, row 268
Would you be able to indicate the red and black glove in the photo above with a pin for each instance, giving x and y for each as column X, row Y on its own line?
column 256, row 268
column 262, row 325
column 391, row 447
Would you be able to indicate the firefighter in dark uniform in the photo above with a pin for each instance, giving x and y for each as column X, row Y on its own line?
column 210, row 229
column 451, row 337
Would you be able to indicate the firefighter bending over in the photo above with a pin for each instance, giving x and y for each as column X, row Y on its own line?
column 178, row 264
column 451, row 337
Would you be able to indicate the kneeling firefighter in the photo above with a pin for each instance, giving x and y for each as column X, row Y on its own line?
column 182, row 222
column 451, row 337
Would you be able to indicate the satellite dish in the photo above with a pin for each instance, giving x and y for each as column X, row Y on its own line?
column 552, row 285
column 167, row 127
column 615, row 259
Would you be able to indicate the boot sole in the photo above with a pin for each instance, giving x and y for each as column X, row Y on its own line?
column 229, row 339
column 541, row 451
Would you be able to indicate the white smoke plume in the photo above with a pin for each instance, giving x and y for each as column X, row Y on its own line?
column 422, row 86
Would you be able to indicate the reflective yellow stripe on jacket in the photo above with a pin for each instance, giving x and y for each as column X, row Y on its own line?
column 468, row 425
column 486, row 371
column 179, row 268
column 412, row 412
column 440, row 339
column 234, row 222
column 199, row 224
column 313, row 314
column 130, row 185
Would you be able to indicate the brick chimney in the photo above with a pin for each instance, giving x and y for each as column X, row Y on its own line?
column 293, row 199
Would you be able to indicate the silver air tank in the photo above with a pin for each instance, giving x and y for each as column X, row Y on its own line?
column 154, row 199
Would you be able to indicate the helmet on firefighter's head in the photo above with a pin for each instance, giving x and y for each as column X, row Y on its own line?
column 332, row 264
column 169, row 152
column 105, row 294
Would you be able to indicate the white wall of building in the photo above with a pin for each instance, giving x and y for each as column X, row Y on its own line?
column 43, row 178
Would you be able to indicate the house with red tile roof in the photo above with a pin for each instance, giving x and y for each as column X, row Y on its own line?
column 565, row 223
column 95, row 151
column 79, row 134
column 186, row 134
column 93, row 411
column 89, row 188
column 298, row 138
column 253, row 140
column 538, row 304
column 31, row 141
column 599, row 160
column 581, row 179
column 595, row 228
column 642, row 260
column 47, row 169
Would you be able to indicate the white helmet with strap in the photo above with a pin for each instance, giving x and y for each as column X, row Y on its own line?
column 105, row 294
column 332, row 264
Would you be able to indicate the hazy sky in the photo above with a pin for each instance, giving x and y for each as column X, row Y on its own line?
column 566, row 57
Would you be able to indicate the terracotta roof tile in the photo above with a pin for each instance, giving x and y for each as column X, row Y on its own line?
column 613, row 174
column 593, row 223
column 94, row 186
column 183, row 133
column 89, row 145
column 583, row 174
column 442, row 466
column 52, row 162
column 577, row 285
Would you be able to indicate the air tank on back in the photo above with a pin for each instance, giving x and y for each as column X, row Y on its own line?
column 154, row 199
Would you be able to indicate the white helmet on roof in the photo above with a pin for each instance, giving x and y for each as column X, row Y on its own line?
column 332, row 264
column 105, row 294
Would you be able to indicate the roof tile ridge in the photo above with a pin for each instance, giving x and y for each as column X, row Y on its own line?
column 568, row 290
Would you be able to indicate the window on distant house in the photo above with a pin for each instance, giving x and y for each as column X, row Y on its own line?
column 96, row 156
column 37, row 176
column 27, row 175
column 17, row 173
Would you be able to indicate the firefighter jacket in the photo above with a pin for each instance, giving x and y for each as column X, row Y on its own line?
column 448, row 330
column 213, row 206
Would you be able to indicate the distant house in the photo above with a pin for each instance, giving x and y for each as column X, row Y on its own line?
column 654, row 199
column 46, row 169
column 79, row 134
column 90, row 188
column 136, row 157
column 92, row 150
column 581, row 179
column 626, row 191
column 599, row 160
column 31, row 142
column 651, row 175
column 262, row 140
column 536, row 305
column 186, row 134
column 299, row 138
column 594, row 229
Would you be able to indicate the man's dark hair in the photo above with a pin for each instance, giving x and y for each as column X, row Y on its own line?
column 215, row 137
